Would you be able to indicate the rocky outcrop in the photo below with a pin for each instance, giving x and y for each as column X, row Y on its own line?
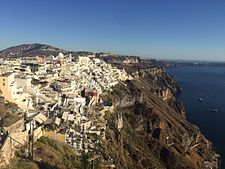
column 163, row 86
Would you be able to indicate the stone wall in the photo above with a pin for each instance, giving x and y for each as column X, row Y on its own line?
column 11, row 144
column 6, row 153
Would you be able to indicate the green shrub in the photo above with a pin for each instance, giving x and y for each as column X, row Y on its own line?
column 43, row 140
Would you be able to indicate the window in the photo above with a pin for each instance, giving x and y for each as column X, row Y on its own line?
column 3, row 84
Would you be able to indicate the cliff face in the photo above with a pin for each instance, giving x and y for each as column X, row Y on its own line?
column 163, row 86
column 155, row 133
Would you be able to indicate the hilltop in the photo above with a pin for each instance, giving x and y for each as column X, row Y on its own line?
column 30, row 50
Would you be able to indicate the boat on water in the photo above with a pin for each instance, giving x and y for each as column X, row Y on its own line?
column 200, row 99
column 215, row 110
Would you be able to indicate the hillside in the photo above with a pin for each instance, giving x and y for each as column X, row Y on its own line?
column 155, row 135
column 146, row 127
column 48, row 154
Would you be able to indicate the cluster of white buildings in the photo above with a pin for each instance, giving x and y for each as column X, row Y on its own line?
column 62, row 94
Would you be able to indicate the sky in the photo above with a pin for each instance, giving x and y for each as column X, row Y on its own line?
column 161, row 29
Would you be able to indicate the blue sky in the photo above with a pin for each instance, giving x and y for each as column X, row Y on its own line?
column 167, row 29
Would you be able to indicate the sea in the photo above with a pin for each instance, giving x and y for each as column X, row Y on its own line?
column 208, row 83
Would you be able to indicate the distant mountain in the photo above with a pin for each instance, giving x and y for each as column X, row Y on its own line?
column 36, row 49
column 30, row 50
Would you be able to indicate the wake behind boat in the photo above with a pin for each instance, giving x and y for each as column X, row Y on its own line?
column 215, row 110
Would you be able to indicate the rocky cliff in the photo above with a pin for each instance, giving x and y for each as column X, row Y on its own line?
column 155, row 132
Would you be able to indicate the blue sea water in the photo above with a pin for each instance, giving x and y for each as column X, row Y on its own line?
column 207, row 83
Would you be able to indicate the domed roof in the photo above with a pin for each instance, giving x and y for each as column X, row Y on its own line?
column 60, row 55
